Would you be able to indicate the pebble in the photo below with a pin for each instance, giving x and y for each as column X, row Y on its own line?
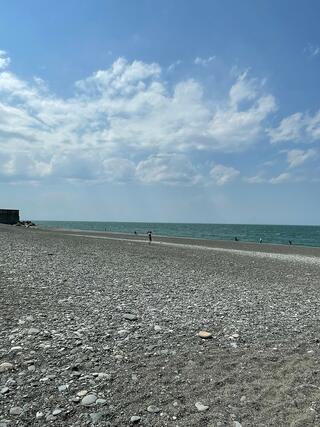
column 88, row 400
column 236, row 424
column 56, row 412
column 204, row 334
column 16, row 348
column 33, row 331
column 16, row 410
column 82, row 393
column 5, row 366
column 63, row 387
column 96, row 417
column 4, row 390
column 157, row 328
column 153, row 409
column 101, row 401
column 135, row 419
column 201, row 407
column 129, row 316
column 39, row 414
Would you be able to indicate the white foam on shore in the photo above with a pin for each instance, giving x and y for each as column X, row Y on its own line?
column 280, row 257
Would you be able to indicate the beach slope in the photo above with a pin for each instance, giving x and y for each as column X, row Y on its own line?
column 99, row 328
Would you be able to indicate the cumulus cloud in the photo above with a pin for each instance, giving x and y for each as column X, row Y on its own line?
column 223, row 174
column 121, row 123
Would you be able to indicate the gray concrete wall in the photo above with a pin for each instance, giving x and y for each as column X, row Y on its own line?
column 9, row 216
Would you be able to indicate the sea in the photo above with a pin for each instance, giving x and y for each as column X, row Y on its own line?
column 278, row 234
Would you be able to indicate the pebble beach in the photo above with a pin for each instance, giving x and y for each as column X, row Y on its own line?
column 106, row 329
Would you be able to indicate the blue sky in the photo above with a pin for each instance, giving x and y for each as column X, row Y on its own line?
column 161, row 111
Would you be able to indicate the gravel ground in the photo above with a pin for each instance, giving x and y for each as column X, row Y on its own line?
column 104, row 331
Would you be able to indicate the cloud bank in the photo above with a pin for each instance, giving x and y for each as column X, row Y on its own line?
column 127, row 123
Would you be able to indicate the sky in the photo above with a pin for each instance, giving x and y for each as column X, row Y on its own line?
column 164, row 111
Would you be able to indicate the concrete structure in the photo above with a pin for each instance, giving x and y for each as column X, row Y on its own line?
column 9, row 216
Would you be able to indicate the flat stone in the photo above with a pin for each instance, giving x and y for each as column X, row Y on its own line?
column 33, row 331
column 236, row 424
column 153, row 409
column 16, row 410
column 135, row 419
column 82, row 393
column 205, row 334
column 88, row 400
column 157, row 328
column 4, row 390
column 129, row 316
column 39, row 414
column 201, row 407
column 5, row 366
column 56, row 412
column 15, row 349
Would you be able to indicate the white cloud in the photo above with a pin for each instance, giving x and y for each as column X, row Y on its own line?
column 170, row 169
column 124, row 116
column 282, row 178
column 4, row 60
column 174, row 65
column 204, row 61
column 298, row 157
column 298, row 127
column 223, row 174
column 257, row 179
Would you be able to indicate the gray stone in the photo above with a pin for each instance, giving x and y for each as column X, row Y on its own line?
column 101, row 402
column 135, row 419
column 88, row 400
column 129, row 316
column 6, row 366
column 96, row 417
column 201, row 407
column 33, row 331
column 39, row 414
column 15, row 349
column 153, row 409
column 16, row 410
column 56, row 412
column 4, row 390
column 63, row 387
column 236, row 424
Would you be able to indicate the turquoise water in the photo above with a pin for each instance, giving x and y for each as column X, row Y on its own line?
column 298, row 234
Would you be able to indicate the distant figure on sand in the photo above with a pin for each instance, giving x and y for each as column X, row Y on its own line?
column 290, row 242
column 135, row 232
column 260, row 240
column 236, row 239
column 149, row 233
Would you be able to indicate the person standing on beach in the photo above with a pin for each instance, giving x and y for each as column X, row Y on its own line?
column 260, row 240
column 150, row 236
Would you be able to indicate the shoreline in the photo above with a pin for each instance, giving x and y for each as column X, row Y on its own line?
column 193, row 241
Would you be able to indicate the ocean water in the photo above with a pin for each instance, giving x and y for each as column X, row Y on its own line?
column 280, row 234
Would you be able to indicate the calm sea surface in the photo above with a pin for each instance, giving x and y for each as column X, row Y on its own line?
column 298, row 234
